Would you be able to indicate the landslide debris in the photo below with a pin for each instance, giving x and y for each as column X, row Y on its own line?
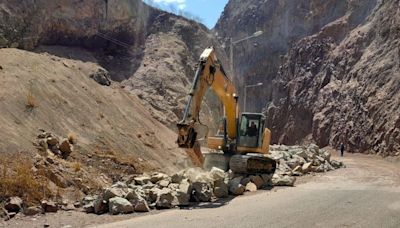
column 186, row 187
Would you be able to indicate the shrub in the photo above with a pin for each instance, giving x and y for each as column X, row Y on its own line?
column 72, row 138
column 17, row 179
column 30, row 101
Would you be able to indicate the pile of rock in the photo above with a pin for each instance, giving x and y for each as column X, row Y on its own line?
column 160, row 191
column 300, row 160
column 49, row 142
column 15, row 205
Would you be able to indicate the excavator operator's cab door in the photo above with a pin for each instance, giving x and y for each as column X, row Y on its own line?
column 251, row 129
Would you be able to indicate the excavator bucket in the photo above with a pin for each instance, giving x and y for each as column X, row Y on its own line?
column 187, row 137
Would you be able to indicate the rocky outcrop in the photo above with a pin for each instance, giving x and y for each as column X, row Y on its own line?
column 283, row 22
column 342, row 85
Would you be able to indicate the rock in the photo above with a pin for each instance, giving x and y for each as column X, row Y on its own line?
column 306, row 167
column 88, row 208
column 109, row 193
column 134, row 195
column 14, row 204
column 235, row 187
column 267, row 179
column 327, row 155
column 257, row 180
column 153, row 194
column 118, row 205
column 336, row 164
column 303, row 154
column 30, row 211
column 177, row 178
column 251, row 187
column 68, row 207
column 293, row 163
column 119, row 184
column 142, row 180
column 245, row 181
column 279, row 180
column 100, row 206
column 202, row 191
column 163, row 183
column 66, row 148
column 183, row 193
column 49, row 206
column 52, row 141
column 102, row 77
column 217, row 174
column 173, row 186
column 141, row 206
column 156, row 177
column 220, row 189
column 165, row 199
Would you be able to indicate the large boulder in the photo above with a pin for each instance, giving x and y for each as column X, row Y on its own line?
column 183, row 193
column 66, row 148
column 14, row 204
column 235, row 187
column 141, row 206
column 220, row 189
column 279, row 180
column 118, row 205
column 112, row 192
column 217, row 174
column 100, row 206
column 202, row 191
column 153, row 194
column 49, row 206
column 166, row 199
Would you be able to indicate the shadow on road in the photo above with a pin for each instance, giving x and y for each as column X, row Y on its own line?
column 219, row 202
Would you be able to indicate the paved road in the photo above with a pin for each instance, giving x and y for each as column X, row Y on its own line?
column 365, row 194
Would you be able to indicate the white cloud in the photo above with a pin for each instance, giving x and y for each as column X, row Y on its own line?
column 181, row 4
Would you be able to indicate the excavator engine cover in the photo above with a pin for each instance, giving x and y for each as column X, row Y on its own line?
column 251, row 164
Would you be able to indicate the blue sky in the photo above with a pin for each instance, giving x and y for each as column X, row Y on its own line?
column 207, row 10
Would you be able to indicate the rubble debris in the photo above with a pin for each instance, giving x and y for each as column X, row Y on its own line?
column 14, row 204
column 49, row 142
column 162, row 191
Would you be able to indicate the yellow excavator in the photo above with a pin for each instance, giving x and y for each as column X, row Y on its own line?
column 242, row 142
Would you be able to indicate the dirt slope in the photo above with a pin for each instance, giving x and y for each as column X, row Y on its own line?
column 113, row 128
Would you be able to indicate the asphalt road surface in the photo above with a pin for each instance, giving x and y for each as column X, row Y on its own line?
column 365, row 194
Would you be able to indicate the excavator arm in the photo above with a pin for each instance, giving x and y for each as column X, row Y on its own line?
column 209, row 74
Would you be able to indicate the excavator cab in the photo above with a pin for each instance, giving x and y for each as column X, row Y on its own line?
column 251, row 129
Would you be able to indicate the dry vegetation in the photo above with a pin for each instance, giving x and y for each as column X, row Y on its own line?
column 72, row 137
column 19, row 179
column 31, row 102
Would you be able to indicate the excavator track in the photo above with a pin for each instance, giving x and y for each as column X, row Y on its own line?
column 252, row 164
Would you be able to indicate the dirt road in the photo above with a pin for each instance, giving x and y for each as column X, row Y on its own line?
column 365, row 194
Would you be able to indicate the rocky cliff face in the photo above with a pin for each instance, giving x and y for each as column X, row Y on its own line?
column 342, row 85
column 330, row 69
column 283, row 22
